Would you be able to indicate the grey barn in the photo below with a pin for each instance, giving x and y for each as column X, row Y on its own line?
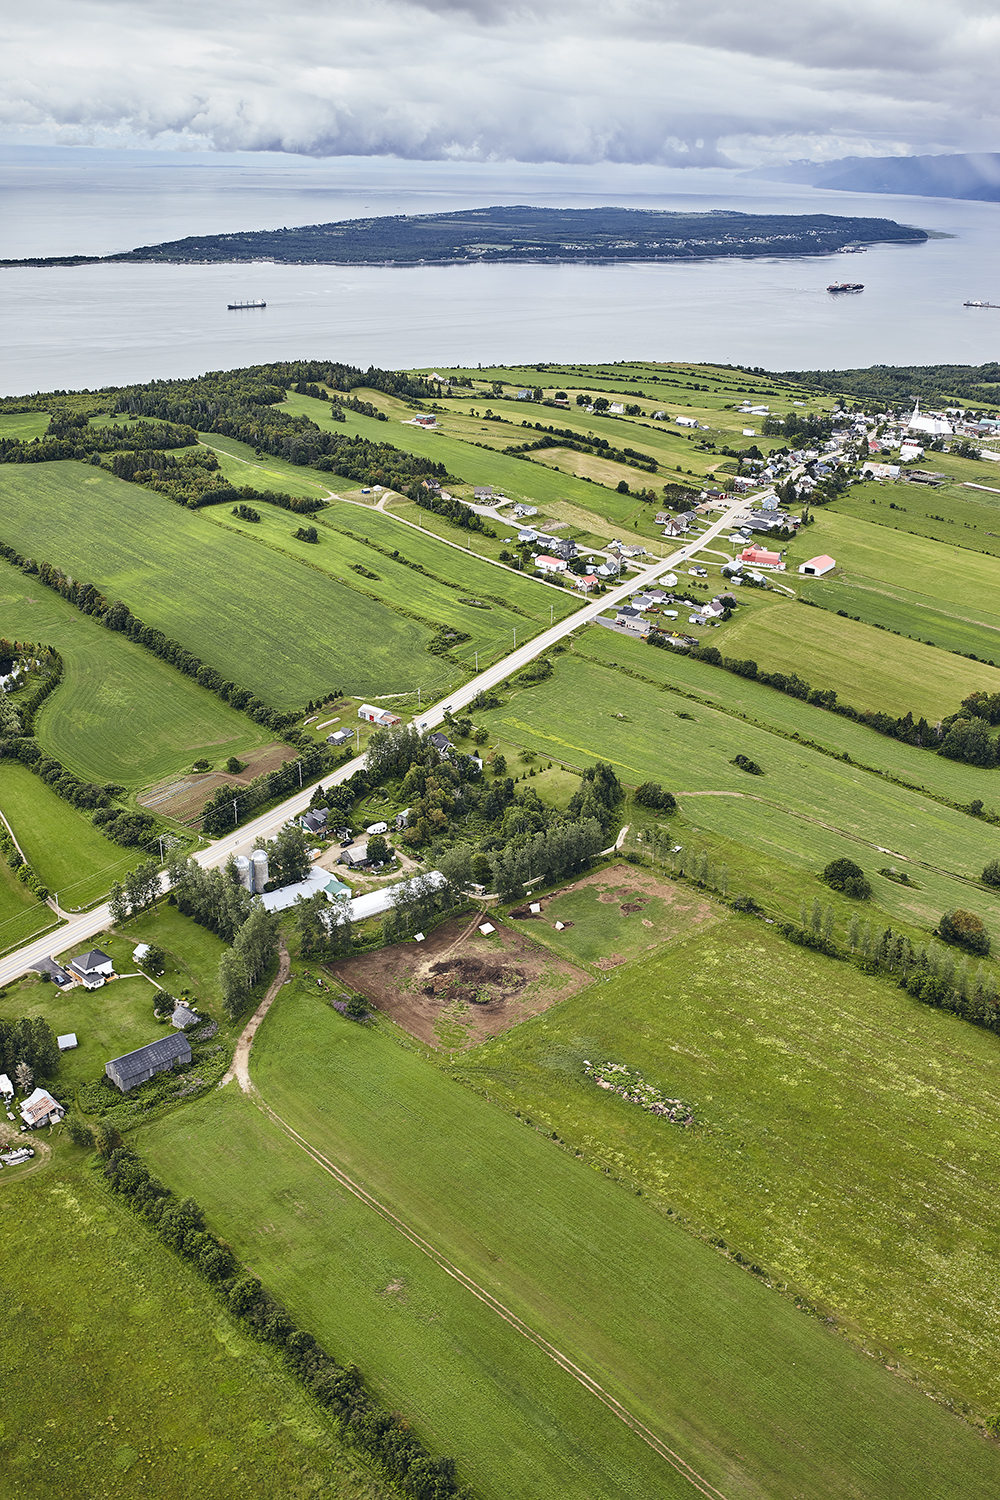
column 136, row 1067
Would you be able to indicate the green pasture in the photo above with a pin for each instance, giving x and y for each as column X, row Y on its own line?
column 138, row 1382
column 119, row 714
column 599, row 923
column 921, row 622
column 62, row 846
column 760, row 1399
column 869, row 669
column 23, row 426
column 846, row 1136
column 241, row 467
column 766, row 707
column 108, row 1022
column 916, row 570
column 21, row 913
column 260, row 617
column 804, row 811
column 952, row 515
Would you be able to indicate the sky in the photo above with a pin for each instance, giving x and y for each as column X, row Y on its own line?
column 659, row 82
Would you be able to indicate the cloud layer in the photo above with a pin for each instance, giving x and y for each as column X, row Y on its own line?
column 640, row 81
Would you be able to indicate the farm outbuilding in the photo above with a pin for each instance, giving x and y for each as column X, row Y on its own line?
column 137, row 1067
column 380, row 716
column 41, row 1109
column 761, row 558
column 817, row 566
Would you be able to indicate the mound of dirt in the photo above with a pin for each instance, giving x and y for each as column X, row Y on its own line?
column 477, row 981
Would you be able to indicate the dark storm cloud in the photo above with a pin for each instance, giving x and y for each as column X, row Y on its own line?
column 655, row 81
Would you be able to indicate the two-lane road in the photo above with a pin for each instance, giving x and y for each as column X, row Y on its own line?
column 79, row 930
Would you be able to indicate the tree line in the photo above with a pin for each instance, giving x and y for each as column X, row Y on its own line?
column 455, row 511
column 28, row 1049
column 566, row 437
column 219, row 815
column 117, row 616
column 964, row 735
column 382, row 1435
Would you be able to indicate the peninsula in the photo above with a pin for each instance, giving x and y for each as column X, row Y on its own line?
column 521, row 234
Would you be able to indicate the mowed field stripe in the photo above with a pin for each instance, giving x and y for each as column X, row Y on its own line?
column 616, row 1407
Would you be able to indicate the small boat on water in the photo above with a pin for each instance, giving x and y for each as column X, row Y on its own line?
column 981, row 304
column 242, row 306
column 846, row 286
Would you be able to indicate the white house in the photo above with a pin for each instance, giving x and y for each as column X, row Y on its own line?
column 550, row 564
column 617, row 408
column 686, row 421
column 92, row 968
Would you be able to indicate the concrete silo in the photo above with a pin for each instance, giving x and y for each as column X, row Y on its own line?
column 244, row 871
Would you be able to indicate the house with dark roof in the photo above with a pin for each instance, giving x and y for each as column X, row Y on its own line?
column 142, row 1064
column 92, row 968
column 442, row 744
column 314, row 821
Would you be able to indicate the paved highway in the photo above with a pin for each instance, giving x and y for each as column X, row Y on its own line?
column 80, row 930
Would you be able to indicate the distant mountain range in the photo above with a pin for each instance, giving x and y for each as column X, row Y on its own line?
column 969, row 176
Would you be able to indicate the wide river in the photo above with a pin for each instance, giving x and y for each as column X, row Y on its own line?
column 91, row 326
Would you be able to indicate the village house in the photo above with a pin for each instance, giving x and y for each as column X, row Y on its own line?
column 631, row 619
column 339, row 737
column 442, row 744
column 314, row 821
column 137, row 1067
column 354, row 857
column 525, row 510
column 92, row 968
column 550, row 564
column 762, row 558
column 585, row 582
column 41, row 1109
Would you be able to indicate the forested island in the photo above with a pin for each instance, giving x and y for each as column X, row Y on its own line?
column 516, row 234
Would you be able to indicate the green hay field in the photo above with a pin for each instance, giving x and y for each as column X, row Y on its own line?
column 806, row 810
column 762, row 1400
column 137, row 1381
column 268, row 616
column 846, row 1135
column 119, row 714
column 867, row 668
column 66, row 851
column 21, row 913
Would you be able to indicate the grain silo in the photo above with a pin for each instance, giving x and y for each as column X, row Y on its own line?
column 244, row 871
column 258, row 860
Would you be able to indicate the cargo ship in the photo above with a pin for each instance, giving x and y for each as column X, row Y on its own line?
column 981, row 304
column 846, row 286
column 241, row 306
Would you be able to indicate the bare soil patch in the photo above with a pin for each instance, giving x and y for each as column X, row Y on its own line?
column 458, row 988
column 184, row 797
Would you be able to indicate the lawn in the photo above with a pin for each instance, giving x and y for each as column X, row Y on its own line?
column 868, row 669
column 63, row 847
column 846, row 1137
column 119, row 714
column 134, row 1381
column 807, row 809
column 762, row 1400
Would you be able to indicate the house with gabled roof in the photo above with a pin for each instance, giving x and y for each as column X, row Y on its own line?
column 92, row 968
column 41, row 1109
column 137, row 1067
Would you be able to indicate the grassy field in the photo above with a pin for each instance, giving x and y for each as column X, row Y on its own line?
column 917, row 571
column 806, row 810
column 260, row 617
column 280, row 616
column 868, row 669
column 761, row 1399
column 845, row 1135
column 23, row 426
column 140, row 1383
column 21, row 913
column 119, row 713
column 63, row 847
column 240, row 467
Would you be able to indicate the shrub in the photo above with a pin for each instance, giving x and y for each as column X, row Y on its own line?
column 651, row 794
column 844, row 875
column 964, row 929
column 991, row 874
column 745, row 764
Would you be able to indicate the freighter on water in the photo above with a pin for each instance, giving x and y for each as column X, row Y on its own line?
column 240, row 306
column 846, row 286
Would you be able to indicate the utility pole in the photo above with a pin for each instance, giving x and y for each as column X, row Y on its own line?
column 160, row 837
column 300, row 775
column 235, row 814
column 477, row 663
column 515, row 637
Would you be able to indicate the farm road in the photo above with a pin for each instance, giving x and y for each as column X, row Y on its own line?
column 240, row 1066
column 684, row 1469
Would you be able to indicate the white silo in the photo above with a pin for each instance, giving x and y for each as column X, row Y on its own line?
column 258, row 860
column 244, row 871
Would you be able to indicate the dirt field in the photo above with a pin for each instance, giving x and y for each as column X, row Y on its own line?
column 184, row 797
column 458, row 988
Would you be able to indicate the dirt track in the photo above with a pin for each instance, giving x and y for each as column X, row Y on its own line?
column 240, row 1065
